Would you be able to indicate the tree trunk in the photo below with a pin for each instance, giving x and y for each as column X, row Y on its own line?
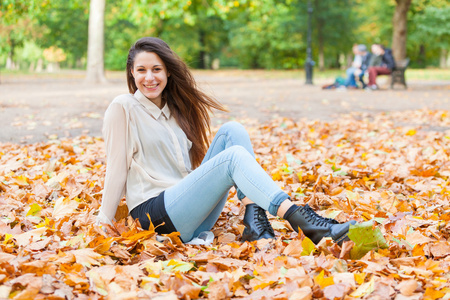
column 202, row 53
column 443, row 58
column 400, row 24
column 10, row 64
column 320, row 38
column 421, row 59
column 342, row 61
column 321, row 50
column 96, row 44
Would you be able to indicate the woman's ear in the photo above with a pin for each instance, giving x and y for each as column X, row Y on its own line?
column 168, row 74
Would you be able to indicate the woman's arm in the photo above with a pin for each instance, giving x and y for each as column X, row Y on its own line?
column 115, row 135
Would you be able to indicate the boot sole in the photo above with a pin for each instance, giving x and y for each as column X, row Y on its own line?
column 342, row 238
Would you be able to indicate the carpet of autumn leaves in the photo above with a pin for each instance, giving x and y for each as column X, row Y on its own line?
column 360, row 166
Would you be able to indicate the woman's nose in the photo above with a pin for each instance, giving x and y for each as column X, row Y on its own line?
column 149, row 75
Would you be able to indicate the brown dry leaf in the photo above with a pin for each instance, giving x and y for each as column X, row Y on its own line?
column 303, row 293
column 64, row 207
column 87, row 257
column 294, row 249
column 226, row 238
column 338, row 290
column 440, row 249
column 407, row 287
column 359, row 166
column 30, row 236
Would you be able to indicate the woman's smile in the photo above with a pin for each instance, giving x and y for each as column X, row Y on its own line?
column 150, row 75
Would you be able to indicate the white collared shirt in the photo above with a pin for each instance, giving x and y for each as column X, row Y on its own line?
column 146, row 152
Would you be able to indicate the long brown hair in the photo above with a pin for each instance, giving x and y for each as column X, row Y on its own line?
column 186, row 102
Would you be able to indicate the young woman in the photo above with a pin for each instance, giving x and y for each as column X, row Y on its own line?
column 157, row 151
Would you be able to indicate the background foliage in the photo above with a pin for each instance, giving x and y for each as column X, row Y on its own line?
column 268, row 34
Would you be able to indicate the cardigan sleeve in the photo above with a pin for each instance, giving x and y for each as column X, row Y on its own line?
column 115, row 136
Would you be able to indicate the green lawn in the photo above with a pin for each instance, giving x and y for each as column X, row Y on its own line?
column 411, row 74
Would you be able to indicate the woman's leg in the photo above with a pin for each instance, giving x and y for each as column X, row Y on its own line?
column 350, row 79
column 201, row 195
column 195, row 203
column 230, row 134
column 257, row 225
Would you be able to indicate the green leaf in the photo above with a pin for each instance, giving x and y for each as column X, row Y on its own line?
column 335, row 169
column 291, row 159
column 287, row 170
column 340, row 173
column 366, row 238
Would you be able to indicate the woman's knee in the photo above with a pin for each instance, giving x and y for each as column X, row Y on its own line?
column 238, row 152
column 233, row 127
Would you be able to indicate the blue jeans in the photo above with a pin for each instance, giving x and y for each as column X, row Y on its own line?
column 350, row 80
column 194, row 204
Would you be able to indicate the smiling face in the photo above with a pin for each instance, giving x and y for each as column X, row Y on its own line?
column 150, row 75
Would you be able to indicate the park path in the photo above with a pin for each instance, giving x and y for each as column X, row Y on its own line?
column 37, row 109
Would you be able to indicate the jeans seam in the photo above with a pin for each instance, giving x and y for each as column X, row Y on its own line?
column 234, row 165
column 215, row 141
column 258, row 188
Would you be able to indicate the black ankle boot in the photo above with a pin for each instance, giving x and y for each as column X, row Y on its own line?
column 257, row 226
column 316, row 227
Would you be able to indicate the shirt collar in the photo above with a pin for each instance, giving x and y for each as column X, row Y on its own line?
column 152, row 108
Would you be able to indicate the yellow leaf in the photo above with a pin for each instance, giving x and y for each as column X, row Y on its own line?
column 99, row 284
column 46, row 223
column 7, row 237
column 364, row 289
column 34, row 209
column 263, row 285
column 21, row 180
column 351, row 195
column 76, row 240
column 431, row 293
column 176, row 265
column 322, row 281
column 308, row 247
column 411, row 132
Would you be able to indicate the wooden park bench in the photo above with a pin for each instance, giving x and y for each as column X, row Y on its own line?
column 398, row 73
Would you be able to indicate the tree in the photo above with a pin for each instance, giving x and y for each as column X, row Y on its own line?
column 59, row 29
column 95, row 63
column 331, row 20
column 17, row 26
column 400, row 25
column 430, row 34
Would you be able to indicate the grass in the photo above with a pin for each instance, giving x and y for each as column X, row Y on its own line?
column 414, row 74
column 411, row 74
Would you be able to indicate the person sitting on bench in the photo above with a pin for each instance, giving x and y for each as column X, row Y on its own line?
column 387, row 64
